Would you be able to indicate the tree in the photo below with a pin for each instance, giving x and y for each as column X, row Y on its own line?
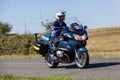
column 5, row 28
column 47, row 25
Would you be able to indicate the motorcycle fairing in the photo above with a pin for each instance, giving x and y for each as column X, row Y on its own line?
column 82, row 49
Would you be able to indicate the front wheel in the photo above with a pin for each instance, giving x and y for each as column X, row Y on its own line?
column 82, row 59
column 50, row 61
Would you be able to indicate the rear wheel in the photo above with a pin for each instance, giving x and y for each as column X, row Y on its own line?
column 82, row 59
column 50, row 61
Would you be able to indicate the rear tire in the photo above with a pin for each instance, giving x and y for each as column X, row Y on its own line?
column 50, row 62
column 82, row 61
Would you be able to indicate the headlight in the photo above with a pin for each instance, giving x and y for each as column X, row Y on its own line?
column 79, row 37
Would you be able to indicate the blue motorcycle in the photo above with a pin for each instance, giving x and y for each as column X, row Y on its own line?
column 71, row 46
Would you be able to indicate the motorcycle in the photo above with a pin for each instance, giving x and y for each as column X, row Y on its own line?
column 71, row 46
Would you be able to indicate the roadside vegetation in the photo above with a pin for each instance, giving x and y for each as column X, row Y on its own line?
column 13, row 77
column 103, row 42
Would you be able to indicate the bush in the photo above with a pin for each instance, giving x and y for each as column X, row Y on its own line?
column 16, row 44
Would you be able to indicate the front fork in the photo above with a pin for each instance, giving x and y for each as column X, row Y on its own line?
column 76, row 54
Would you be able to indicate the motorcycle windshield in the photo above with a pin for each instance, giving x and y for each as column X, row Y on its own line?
column 70, row 20
column 74, row 25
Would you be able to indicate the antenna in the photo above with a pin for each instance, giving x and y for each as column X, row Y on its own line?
column 41, row 20
column 25, row 28
column 41, row 15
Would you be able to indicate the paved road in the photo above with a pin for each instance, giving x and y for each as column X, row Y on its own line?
column 99, row 67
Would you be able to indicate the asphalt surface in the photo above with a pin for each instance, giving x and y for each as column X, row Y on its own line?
column 98, row 67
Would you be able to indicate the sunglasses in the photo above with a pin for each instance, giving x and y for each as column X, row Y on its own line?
column 61, row 16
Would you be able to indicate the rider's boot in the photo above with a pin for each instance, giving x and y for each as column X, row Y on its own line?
column 54, row 49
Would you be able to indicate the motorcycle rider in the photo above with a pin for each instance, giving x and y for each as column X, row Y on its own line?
column 57, row 26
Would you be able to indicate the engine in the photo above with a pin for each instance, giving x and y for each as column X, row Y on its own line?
column 63, row 56
column 60, row 53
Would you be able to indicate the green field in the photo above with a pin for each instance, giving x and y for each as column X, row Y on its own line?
column 103, row 42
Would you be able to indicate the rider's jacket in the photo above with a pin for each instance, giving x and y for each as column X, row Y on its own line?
column 56, row 28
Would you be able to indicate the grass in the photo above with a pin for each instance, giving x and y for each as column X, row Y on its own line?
column 12, row 77
column 92, row 55
column 104, row 54
column 104, row 29
column 20, row 56
column 104, row 42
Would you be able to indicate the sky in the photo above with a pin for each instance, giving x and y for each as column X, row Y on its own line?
column 27, row 15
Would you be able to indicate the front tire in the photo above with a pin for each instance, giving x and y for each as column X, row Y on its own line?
column 82, row 60
column 50, row 62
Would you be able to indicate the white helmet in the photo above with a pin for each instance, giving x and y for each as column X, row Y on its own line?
column 60, row 13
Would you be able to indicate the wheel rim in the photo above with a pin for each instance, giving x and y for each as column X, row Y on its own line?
column 51, row 63
column 48, row 60
column 81, row 60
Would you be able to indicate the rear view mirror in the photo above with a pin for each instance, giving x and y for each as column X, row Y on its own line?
column 36, row 36
column 85, row 27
